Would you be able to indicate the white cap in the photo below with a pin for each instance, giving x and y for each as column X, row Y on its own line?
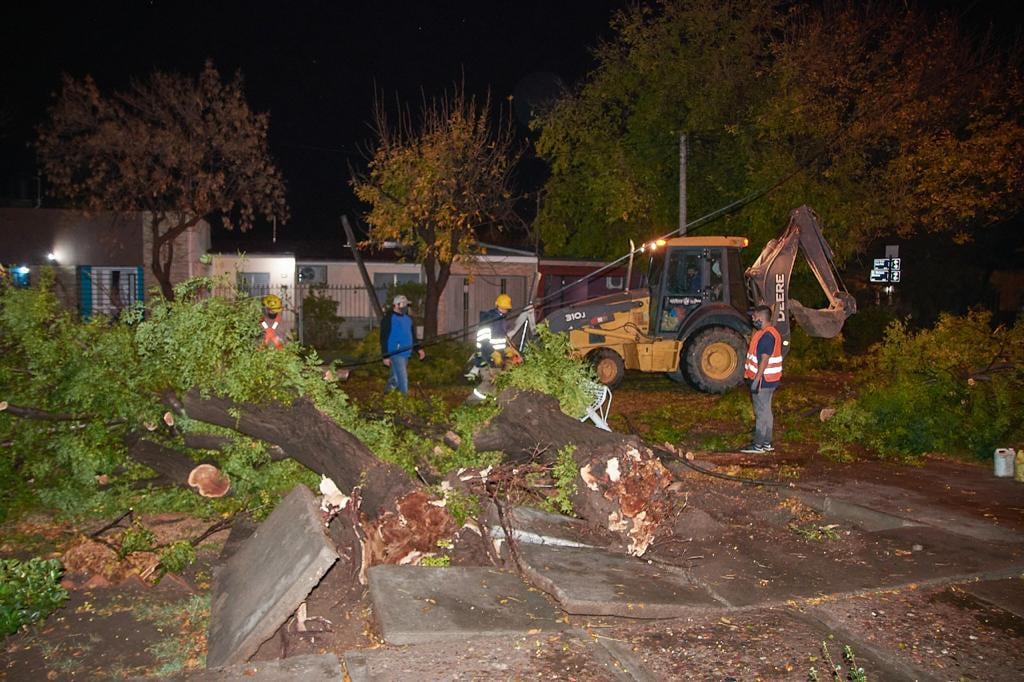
column 400, row 300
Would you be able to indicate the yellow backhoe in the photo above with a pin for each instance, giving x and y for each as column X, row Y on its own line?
column 690, row 317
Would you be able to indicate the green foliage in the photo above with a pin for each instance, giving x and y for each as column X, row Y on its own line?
column 807, row 354
column 177, row 556
column 29, row 592
column 440, row 561
column 894, row 120
column 565, row 473
column 550, row 366
column 320, row 318
column 955, row 388
column 462, row 506
column 816, row 532
column 852, row 673
column 137, row 538
column 866, row 328
column 104, row 379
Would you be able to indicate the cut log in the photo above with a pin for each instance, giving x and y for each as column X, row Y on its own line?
column 530, row 421
column 177, row 468
column 209, row 481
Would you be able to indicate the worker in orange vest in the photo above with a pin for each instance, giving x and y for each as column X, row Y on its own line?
column 271, row 311
column 763, row 371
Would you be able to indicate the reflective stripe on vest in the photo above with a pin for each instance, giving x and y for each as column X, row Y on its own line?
column 773, row 370
column 270, row 336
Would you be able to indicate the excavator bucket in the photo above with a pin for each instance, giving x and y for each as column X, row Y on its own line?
column 822, row 324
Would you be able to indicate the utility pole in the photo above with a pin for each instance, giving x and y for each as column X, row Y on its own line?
column 682, row 184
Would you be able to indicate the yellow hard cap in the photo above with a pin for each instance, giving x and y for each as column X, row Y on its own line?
column 503, row 301
column 272, row 303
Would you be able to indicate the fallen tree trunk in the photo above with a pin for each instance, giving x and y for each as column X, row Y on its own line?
column 620, row 487
column 530, row 422
column 213, row 441
column 396, row 522
column 312, row 438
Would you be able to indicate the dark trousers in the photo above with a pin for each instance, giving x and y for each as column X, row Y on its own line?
column 764, row 421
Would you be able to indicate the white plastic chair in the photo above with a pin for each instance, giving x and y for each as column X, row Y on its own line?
column 598, row 410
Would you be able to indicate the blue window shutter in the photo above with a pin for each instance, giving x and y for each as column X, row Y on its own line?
column 85, row 290
column 140, row 286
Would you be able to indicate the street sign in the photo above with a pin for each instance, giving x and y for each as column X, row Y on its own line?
column 886, row 270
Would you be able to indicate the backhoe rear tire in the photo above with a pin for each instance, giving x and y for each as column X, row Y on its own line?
column 714, row 359
column 609, row 367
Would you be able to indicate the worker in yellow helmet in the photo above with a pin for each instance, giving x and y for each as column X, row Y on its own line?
column 493, row 350
column 271, row 312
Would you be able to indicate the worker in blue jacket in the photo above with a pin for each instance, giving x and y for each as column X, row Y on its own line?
column 397, row 343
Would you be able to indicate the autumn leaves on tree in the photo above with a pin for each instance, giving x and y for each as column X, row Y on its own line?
column 888, row 119
column 178, row 148
column 434, row 181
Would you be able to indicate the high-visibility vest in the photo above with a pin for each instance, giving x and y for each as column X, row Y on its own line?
column 270, row 337
column 773, row 371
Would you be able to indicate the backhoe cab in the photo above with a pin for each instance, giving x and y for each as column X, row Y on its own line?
column 689, row 319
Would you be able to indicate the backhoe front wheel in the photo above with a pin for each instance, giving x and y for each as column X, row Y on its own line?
column 609, row 367
column 714, row 359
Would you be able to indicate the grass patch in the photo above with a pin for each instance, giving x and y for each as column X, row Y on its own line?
column 186, row 623
column 816, row 532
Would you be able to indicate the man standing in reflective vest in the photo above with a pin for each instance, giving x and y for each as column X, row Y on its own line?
column 271, row 312
column 492, row 348
column 763, row 371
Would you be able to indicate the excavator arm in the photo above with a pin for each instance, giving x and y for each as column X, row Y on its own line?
column 768, row 279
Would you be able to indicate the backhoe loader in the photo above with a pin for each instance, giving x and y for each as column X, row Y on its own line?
column 690, row 317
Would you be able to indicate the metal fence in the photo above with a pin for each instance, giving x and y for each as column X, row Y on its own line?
column 320, row 315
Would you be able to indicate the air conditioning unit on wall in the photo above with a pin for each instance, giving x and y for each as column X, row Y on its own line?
column 312, row 274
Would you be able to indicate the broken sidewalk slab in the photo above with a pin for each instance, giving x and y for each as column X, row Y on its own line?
column 416, row 604
column 874, row 506
column 308, row 668
column 538, row 527
column 562, row 655
column 863, row 517
column 598, row 582
column 1007, row 594
column 266, row 580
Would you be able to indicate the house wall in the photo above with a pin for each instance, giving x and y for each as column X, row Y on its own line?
column 475, row 284
column 280, row 271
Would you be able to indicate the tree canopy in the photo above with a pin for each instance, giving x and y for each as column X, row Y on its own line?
column 433, row 182
column 182, row 149
column 888, row 114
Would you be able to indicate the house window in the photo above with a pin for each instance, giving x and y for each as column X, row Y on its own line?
column 382, row 281
column 254, row 283
column 613, row 282
column 20, row 276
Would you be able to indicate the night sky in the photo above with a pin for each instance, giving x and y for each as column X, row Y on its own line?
column 313, row 65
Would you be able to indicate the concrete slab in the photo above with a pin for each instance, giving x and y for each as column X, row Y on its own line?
column 598, row 582
column 263, row 583
column 559, row 655
column 863, row 501
column 310, row 668
column 1006, row 594
column 538, row 527
column 863, row 517
column 752, row 572
column 415, row 604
